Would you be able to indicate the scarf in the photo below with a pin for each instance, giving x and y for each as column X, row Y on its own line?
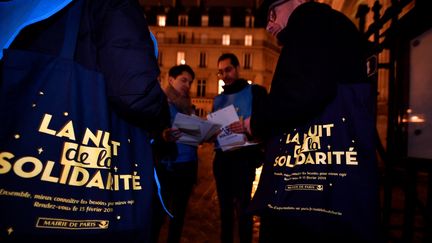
column 182, row 103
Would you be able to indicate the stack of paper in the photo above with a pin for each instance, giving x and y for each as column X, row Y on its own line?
column 195, row 130
column 227, row 139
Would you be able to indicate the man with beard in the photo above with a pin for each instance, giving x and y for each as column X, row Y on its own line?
column 234, row 170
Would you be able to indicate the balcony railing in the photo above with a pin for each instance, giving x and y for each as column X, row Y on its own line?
column 198, row 41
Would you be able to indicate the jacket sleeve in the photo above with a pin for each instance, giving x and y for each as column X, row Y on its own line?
column 259, row 101
column 126, row 56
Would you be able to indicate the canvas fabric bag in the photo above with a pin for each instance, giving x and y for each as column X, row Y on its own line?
column 68, row 164
column 323, row 176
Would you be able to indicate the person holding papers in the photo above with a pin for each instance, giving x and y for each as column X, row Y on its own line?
column 178, row 175
column 234, row 169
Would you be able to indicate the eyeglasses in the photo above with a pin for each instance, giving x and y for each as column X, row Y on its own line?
column 221, row 72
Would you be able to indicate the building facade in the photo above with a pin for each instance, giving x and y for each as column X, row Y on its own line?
column 198, row 35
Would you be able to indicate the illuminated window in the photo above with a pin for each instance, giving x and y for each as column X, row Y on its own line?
column 226, row 20
column 221, row 83
column 181, row 58
column 204, row 20
column 161, row 20
column 226, row 40
column 183, row 20
column 248, row 40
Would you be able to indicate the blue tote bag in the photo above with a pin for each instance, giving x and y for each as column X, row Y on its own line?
column 322, row 177
column 69, row 166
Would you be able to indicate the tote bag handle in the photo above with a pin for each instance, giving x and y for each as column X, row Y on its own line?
column 73, row 20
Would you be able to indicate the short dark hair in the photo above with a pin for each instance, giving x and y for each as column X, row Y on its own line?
column 233, row 58
column 177, row 70
column 263, row 9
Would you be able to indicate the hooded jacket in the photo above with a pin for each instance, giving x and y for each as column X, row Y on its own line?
column 321, row 48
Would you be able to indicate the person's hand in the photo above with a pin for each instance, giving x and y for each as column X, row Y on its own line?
column 246, row 125
column 171, row 134
column 237, row 127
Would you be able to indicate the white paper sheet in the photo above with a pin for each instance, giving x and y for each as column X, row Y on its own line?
column 195, row 130
column 227, row 139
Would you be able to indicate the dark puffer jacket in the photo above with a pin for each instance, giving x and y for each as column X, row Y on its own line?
column 114, row 39
column 321, row 48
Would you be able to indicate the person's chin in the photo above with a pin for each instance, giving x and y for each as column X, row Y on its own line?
column 274, row 29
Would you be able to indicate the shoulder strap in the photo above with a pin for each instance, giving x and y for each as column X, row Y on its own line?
column 71, row 30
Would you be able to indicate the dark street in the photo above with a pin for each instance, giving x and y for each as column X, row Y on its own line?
column 202, row 218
